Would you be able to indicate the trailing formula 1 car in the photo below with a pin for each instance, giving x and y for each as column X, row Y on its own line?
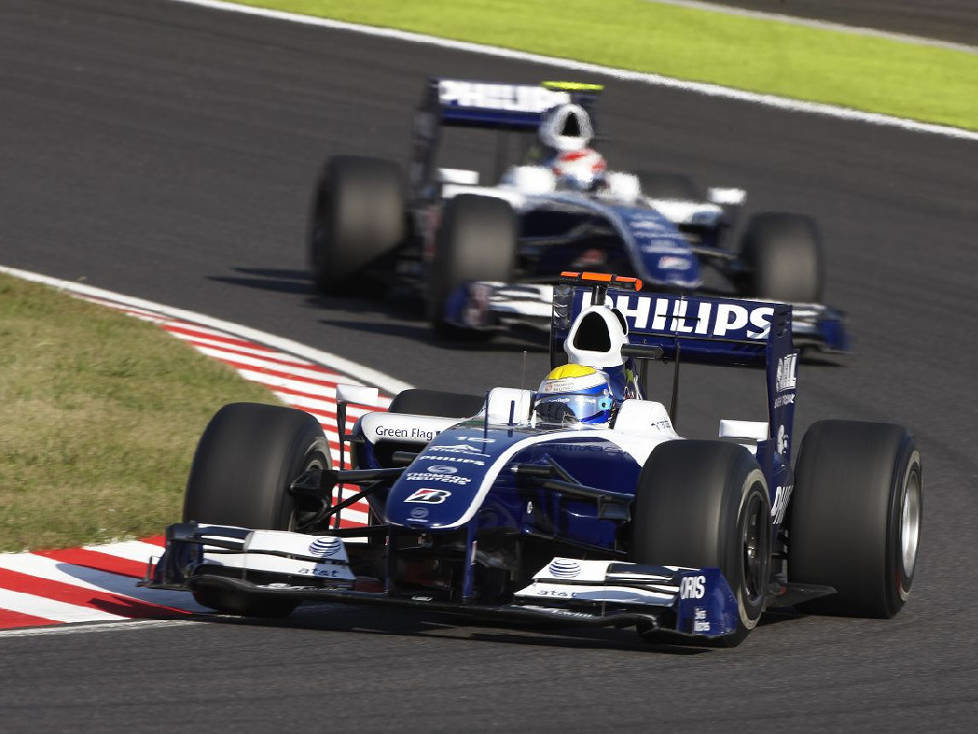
column 576, row 503
column 485, row 256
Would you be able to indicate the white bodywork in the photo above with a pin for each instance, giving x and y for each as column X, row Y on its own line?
column 528, row 187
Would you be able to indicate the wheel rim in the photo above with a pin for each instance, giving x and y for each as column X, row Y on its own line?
column 910, row 524
column 298, row 520
column 754, row 550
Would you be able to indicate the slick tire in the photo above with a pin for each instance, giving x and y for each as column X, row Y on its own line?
column 357, row 216
column 475, row 242
column 705, row 504
column 658, row 185
column 245, row 461
column 782, row 258
column 855, row 517
column 435, row 402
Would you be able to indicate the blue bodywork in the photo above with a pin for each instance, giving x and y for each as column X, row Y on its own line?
column 574, row 230
column 513, row 517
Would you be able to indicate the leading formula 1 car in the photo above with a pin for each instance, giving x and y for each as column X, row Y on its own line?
column 518, row 506
column 484, row 255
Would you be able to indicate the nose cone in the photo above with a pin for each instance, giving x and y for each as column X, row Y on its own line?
column 432, row 494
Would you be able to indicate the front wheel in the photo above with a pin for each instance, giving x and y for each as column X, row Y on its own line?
column 245, row 461
column 705, row 504
column 855, row 517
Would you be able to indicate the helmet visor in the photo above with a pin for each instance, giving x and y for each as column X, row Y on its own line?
column 575, row 407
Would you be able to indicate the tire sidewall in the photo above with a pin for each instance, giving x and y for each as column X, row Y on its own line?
column 900, row 583
column 750, row 609
column 245, row 461
column 691, row 510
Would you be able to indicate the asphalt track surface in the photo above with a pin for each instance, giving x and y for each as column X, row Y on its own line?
column 168, row 152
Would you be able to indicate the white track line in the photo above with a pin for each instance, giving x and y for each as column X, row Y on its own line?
column 84, row 629
column 709, row 90
column 822, row 25
column 92, row 579
column 57, row 611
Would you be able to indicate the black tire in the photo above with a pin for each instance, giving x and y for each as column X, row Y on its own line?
column 658, row 185
column 435, row 402
column 855, row 516
column 782, row 255
column 476, row 241
column 705, row 504
column 245, row 461
column 357, row 216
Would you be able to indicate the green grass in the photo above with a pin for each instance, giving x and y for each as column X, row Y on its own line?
column 872, row 74
column 101, row 414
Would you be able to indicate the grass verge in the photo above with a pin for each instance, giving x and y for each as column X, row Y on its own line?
column 101, row 414
column 872, row 74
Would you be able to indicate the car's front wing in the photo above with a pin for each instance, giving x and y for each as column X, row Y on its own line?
column 266, row 563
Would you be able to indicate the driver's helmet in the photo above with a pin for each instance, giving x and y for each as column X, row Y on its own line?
column 566, row 131
column 574, row 393
column 566, row 128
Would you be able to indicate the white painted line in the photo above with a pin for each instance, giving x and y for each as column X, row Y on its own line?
column 822, row 25
column 131, row 550
column 709, row 90
column 39, row 606
column 201, row 341
column 273, row 381
column 94, row 580
column 296, row 371
column 84, row 629
column 363, row 373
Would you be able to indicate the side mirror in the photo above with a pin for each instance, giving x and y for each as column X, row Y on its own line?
column 358, row 394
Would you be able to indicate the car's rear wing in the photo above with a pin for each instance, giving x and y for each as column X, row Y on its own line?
column 721, row 331
column 490, row 105
column 497, row 105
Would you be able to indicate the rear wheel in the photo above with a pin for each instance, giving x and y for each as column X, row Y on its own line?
column 245, row 461
column 476, row 242
column 856, row 516
column 782, row 255
column 357, row 216
column 705, row 504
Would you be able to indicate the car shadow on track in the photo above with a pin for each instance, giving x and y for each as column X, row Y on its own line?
column 280, row 281
column 410, row 623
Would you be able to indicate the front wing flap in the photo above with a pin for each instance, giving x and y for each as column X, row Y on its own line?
column 268, row 563
column 701, row 599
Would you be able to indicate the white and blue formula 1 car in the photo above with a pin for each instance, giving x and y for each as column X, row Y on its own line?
column 510, row 506
column 484, row 254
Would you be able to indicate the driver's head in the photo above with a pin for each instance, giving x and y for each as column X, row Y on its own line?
column 574, row 393
column 566, row 128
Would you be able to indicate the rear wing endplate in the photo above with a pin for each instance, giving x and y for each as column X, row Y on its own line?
column 490, row 105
